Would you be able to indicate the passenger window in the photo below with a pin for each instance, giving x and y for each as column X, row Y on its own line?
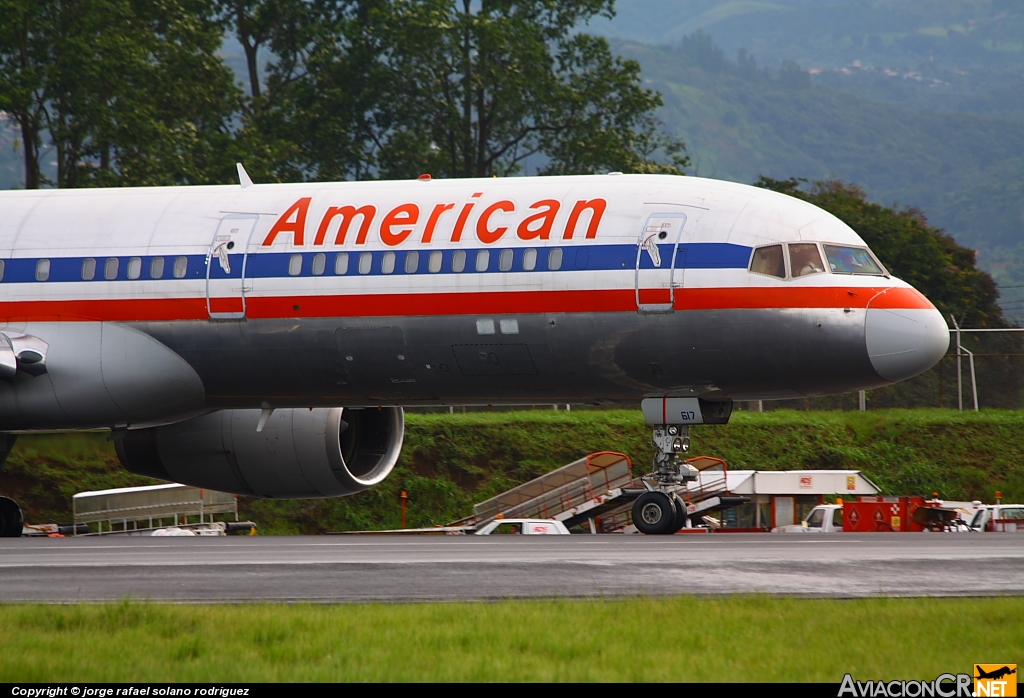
column 837, row 518
column 156, row 268
column 555, row 259
column 88, row 269
column 505, row 260
column 530, row 260
column 341, row 264
column 295, row 265
column 134, row 268
column 180, row 267
column 365, row 261
column 319, row 263
column 387, row 264
column 851, row 260
column 459, row 261
column 412, row 262
column 434, row 262
column 1015, row 514
column 2, row 265
column 804, row 259
column 483, row 259
column 110, row 268
column 768, row 260
column 42, row 270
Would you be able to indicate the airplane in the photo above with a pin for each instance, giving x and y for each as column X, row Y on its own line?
column 263, row 339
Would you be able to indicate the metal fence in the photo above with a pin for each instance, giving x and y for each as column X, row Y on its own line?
column 135, row 508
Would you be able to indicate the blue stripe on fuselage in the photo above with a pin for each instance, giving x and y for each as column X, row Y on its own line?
column 693, row 255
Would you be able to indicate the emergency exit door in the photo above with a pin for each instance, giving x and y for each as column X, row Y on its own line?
column 225, row 266
column 660, row 261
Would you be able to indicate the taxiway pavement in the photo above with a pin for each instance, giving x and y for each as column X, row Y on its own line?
column 420, row 568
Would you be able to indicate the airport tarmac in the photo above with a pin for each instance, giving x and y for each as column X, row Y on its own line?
column 420, row 568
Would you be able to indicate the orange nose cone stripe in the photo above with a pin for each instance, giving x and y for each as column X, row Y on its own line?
column 811, row 297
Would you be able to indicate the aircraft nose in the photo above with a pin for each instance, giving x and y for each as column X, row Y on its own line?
column 903, row 343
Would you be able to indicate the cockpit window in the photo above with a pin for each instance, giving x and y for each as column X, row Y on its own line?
column 768, row 260
column 805, row 259
column 851, row 260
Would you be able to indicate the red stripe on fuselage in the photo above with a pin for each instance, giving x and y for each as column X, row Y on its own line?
column 470, row 303
column 808, row 297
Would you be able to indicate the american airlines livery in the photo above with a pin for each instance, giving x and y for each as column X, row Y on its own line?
column 263, row 339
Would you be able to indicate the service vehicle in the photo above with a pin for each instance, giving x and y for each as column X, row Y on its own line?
column 528, row 527
column 881, row 514
column 999, row 518
column 824, row 518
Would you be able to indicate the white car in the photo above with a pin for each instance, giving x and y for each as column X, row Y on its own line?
column 529, row 527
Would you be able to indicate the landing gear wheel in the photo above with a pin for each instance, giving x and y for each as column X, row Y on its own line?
column 654, row 513
column 11, row 519
column 680, row 520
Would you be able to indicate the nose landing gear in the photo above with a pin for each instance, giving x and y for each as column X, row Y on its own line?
column 658, row 511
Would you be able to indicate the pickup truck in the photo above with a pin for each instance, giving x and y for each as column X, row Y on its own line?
column 1003, row 518
column 824, row 518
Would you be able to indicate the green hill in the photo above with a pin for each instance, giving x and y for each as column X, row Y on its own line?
column 984, row 37
column 451, row 462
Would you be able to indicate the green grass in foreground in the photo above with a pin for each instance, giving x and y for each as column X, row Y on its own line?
column 677, row 639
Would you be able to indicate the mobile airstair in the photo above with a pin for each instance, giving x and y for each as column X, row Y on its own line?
column 710, row 492
column 598, row 491
column 583, row 491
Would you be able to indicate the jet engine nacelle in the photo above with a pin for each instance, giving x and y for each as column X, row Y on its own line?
column 299, row 453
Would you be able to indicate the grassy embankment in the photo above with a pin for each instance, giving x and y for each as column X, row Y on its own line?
column 452, row 461
column 738, row 639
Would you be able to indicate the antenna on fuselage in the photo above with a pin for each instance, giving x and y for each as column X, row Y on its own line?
column 243, row 177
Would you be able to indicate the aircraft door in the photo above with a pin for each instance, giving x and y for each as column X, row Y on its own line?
column 225, row 266
column 659, row 262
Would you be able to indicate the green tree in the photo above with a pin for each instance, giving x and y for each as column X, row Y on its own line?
column 126, row 92
column 464, row 89
column 24, row 77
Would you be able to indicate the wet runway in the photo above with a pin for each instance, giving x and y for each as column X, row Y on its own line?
column 415, row 568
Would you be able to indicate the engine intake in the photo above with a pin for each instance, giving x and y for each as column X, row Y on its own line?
column 299, row 454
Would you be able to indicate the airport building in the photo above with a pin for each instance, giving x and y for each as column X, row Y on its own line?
column 782, row 498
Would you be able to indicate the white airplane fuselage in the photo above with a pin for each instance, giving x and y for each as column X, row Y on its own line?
column 150, row 306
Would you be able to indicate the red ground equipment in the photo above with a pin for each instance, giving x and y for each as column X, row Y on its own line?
column 873, row 514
